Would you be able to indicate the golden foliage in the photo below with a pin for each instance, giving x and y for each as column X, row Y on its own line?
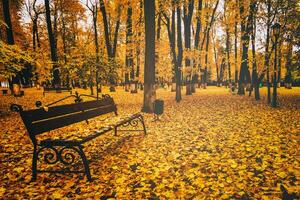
column 212, row 145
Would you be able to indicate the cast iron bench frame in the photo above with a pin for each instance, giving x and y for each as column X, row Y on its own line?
column 57, row 90
column 45, row 119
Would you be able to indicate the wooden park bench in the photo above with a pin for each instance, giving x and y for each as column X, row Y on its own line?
column 57, row 90
column 64, row 151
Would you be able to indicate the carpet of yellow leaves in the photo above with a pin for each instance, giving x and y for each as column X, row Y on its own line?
column 212, row 145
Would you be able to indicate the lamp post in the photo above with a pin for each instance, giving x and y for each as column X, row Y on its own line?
column 276, row 32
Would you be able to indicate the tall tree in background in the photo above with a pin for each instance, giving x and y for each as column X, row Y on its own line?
column 93, row 7
column 206, row 38
column 149, row 71
column 290, row 21
column 267, row 51
column 176, row 54
column 216, row 56
column 110, row 47
column 179, row 56
column 228, row 43
column 64, row 39
column 55, row 72
column 7, row 20
column 288, row 63
column 138, row 40
column 246, row 19
column 197, row 37
column 255, row 81
column 187, row 21
column 34, row 12
column 9, row 35
column 129, row 50
column 235, row 42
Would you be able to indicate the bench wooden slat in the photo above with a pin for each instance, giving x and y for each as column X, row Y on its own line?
column 55, row 89
column 40, row 114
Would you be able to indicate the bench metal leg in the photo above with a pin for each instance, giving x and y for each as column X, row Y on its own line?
column 143, row 123
column 115, row 130
column 34, row 165
column 85, row 163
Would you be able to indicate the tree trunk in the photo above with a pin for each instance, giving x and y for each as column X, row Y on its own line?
column 216, row 60
column 288, row 63
column 279, row 62
column 198, row 31
column 228, row 49
column 255, row 81
column 111, row 48
column 63, row 36
column 97, row 52
column 95, row 17
column 198, row 26
column 129, row 51
column 138, row 48
column 206, row 38
column 267, row 56
column 222, row 70
column 55, row 71
column 235, row 46
column 228, row 54
column 208, row 27
column 55, row 31
column 244, row 77
column 37, row 37
column 187, row 20
column 149, row 71
column 129, row 42
column 34, row 30
column 158, row 27
column 7, row 20
column 9, row 38
column 179, row 57
column 274, row 99
column 205, row 75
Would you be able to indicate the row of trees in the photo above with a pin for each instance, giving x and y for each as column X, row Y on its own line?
column 101, row 42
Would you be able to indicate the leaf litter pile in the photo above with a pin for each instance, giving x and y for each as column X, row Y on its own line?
column 211, row 145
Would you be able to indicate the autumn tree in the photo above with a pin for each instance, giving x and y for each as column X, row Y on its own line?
column 34, row 12
column 54, row 58
column 228, row 38
column 289, row 19
column 149, row 71
column 206, row 39
column 188, row 9
column 93, row 7
column 246, row 19
column 9, row 37
column 255, row 80
column 129, row 71
column 138, row 39
column 111, row 46
column 175, row 45
column 197, row 64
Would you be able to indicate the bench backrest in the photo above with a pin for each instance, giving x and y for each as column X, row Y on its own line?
column 41, row 120
column 53, row 89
